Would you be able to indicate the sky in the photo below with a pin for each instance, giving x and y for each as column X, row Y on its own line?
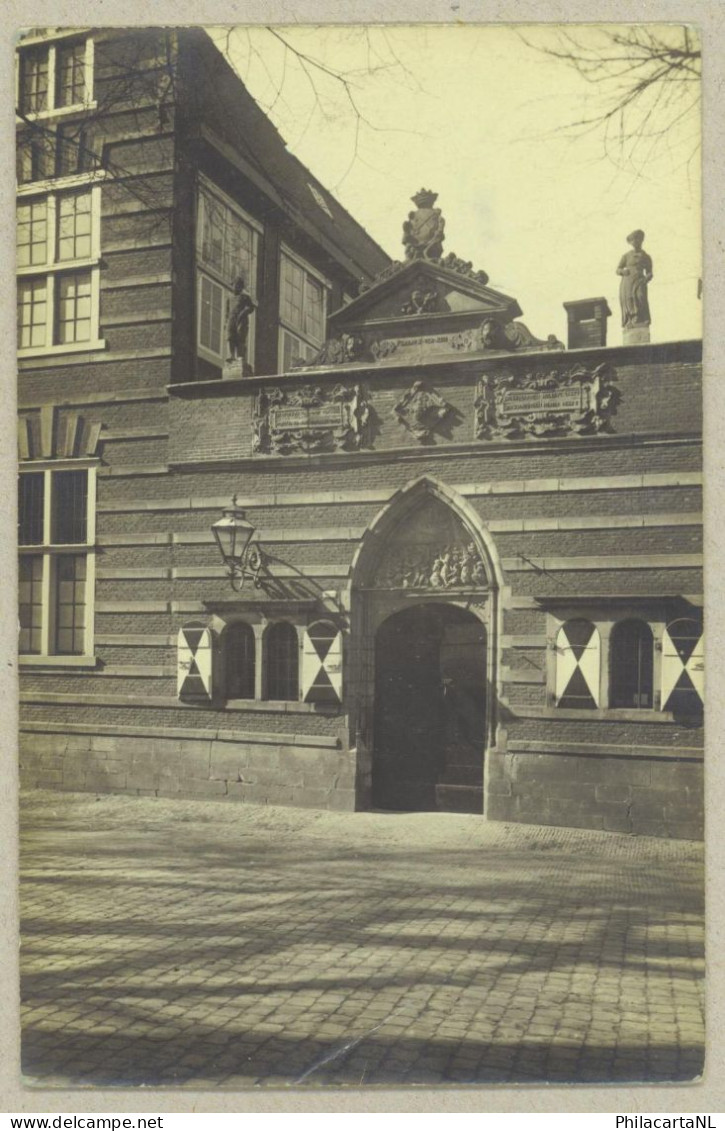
column 479, row 114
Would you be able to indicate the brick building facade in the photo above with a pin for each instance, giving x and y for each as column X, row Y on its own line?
column 479, row 584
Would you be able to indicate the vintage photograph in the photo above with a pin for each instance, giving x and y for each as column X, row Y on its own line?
column 360, row 555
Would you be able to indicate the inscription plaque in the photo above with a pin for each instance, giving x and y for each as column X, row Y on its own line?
column 310, row 419
column 515, row 401
column 319, row 416
column 578, row 402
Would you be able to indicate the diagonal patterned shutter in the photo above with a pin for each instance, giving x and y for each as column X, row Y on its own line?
column 578, row 662
column 322, row 663
column 194, row 662
column 683, row 669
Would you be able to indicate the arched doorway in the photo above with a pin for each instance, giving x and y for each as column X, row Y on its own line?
column 430, row 710
column 425, row 581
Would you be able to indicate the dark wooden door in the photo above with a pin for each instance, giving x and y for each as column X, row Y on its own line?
column 430, row 693
column 462, row 661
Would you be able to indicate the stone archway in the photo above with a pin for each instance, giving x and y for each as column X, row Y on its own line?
column 428, row 568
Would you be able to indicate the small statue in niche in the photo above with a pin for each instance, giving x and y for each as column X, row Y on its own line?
column 635, row 268
column 238, row 319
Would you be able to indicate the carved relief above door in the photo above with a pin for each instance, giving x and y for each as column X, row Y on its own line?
column 431, row 550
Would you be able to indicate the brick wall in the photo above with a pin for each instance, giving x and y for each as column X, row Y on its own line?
column 220, row 426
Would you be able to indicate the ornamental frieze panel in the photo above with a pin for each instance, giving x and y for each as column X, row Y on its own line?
column 311, row 419
column 430, row 566
column 491, row 335
column 575, row 402
column 335, row 351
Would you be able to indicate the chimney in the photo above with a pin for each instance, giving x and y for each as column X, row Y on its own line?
column 587, row 323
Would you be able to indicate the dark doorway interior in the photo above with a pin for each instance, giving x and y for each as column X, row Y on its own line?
column 430, row 710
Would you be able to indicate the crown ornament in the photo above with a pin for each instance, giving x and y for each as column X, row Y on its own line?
column 424, row 198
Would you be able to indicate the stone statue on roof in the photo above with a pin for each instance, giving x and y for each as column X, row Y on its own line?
column 423, row 231
column 635, row 268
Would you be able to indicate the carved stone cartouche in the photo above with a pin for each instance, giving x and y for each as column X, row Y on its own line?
column 579, row 402
column 422, row 411
column 311, row 419
column 423, row 231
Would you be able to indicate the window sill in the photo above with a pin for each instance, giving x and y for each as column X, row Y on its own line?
column 56, row 184
column 611, row 714
column 286, row 706
column 55, row 112
column 60, row 266
column 68, row 347
column 31, row 661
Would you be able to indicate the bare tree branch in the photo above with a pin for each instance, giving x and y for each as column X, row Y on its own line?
column 644, row 87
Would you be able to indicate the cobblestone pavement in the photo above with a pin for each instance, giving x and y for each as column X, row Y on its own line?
column 203, row 943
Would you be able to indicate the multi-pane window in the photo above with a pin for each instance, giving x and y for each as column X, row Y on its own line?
column 72, row 153
column 54, row 532
column 74, row 308
column 30, row 587
column 281, row 656
column 35, row 158
column 32, row 232
column 34, row 68
column 70, row 606
column 303, row 310
column 49, row 153
column 55, row 76
column 58, row 266
column 55, row 80
column 31, row 493
column 631, row 665
column 226, row 247
column 74, row 226
column 239, row 655
column 32, row 313
column 212, row 301
column 69, row 511
column 70, row 74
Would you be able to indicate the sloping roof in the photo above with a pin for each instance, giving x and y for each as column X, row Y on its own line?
column 232, row 112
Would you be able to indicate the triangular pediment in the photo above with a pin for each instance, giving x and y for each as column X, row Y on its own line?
column 423, row 290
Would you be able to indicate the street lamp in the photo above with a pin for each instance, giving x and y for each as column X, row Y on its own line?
column 242, row 556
